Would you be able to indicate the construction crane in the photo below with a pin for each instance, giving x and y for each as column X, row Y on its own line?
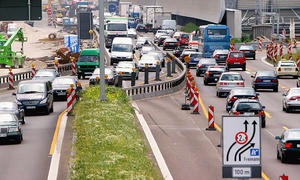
column 7, row 55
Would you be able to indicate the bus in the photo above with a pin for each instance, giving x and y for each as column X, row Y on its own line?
column 212, row 37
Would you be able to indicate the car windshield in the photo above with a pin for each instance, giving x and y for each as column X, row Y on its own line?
column 121, row 48
column 45, row 74
column 231, row 77
column 31, row 88
column 63, row 81
column 288, row 64
column 293, row 134
column 117, row 27
column 236, row 55
column 88, row 58
column 7, row 106
column 246, row 48
column 265, row 73
column 195, row 55
column 184, row 36
column 246, row 106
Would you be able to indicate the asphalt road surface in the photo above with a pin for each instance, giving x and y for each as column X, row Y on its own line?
column 193, row 153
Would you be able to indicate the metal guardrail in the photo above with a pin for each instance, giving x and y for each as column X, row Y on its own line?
column 17, row 77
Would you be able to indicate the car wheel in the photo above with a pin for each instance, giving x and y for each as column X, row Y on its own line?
column 218, row 94
column 283, row 108
column 295, row 77
column 83, row 76
column 163, row 64
column 23, row 120
column 297, row 84
column 47, row 111
column 283, row 158
column 19, row 139
column 137, row 77
column 78, row 76
column 288, row 110
column 278, row 156
column 263, row 124
column 253, row 57
column 164, row 49
column 275, row 89
column 198, row 74
column 205, row 82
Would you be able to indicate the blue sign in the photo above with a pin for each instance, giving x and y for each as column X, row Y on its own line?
column 72, row 42
column 112, row 8
column 254, row 152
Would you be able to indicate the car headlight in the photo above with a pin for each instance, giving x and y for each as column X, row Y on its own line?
column 13, row 129
column 44, row 101
column 18, row 102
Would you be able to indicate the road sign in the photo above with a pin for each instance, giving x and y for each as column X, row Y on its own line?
column 241, row 140
column 187, row 59
column 49, row 12
column 112, row 8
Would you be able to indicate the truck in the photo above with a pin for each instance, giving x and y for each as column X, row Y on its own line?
column 159, row 17
column 149, row 15
column 115, row 27
column 124, row 9
column 135, row 11
column 87, row 62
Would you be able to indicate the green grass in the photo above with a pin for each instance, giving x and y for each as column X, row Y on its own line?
column 109, row 145
column 189, row 27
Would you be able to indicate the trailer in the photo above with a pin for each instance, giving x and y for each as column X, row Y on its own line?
column 124, row 9
column 149, row 15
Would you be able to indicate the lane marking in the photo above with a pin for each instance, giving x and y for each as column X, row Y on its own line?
column 56, row 133
column 264, row 176
column 284, row 127
column 136, row 58
column 155, row 149
column 268, row 115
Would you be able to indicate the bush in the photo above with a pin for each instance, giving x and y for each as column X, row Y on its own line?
column 189, row 27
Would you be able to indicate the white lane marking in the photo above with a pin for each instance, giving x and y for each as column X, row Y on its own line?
column 264, row 61
column 53, row 170
column 269, row 132
column 155, row 149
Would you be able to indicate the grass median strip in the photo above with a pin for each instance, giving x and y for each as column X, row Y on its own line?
column 109, row 145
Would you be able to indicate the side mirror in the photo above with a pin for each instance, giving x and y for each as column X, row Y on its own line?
column 109, row 50
column 13, row 93
column 264, row 107
column 277, row 138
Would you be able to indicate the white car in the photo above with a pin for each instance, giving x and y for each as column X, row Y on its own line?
column 228, row 81
column 286, row 68
column 126, row 67
column 132, row 33
column 291, row 100
column 160, row 57
column 158, row 34
column 146, row 49
column 141, row 41
column 150, row 60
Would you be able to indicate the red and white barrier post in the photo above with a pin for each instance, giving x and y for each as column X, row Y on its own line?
column 260, row 45
column 295, row 41
column 211, row 118
column 56, row 64
column 290, row 47
column 283, row 177
column 196, row 102
column 33, row 70
column 10, row 79
column 275, row 53
column 291, row 56
column 192, row 93
column 74, row 66
column 281, row 51
column 268, row 51
column 71, row 99
column 298, row 61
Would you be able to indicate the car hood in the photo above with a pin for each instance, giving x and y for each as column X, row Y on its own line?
column 123, row 70
column 43, row 78
column 121, row 54
column 62, row 86
column 147, row 61
column 31, row 96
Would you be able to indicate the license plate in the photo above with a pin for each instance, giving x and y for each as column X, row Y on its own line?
column 30, row 107
column 217, row 75
column 247, row 51
column 3, row 135
column 61, row 93
column 171, row 43
column 287, row 69
column 249, row 113
column 298, row 145
column 222, row 56
column 236, row 62
column 267, row 80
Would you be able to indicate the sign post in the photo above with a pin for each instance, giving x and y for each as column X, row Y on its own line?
column 241, row 152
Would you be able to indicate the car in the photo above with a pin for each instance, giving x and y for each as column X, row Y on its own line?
column 291, row 100
column 286, row 68
column 126, row 68
column 61, row 84
column 149, row 59
column 238, row 93
column 34, row 95
column 203, row 65
column 46, row 75
column 10, row 128
column 169, row 32
column 141, row 28
column 195, row 57
column 288, row 146
column 176, row 35
column 12, row 107
column 184, row 39
column 298, row 82
column 186, row 52
column 177, row 52
column 213, row 74
column 162, row 39
column 141, row 41
column 249, row 107
column 265, row 80
column 160, row 57
column 158, row 34
column 87, row 62
column 228, row 81
column 111, row 76
column 146, row 49
column 248, row 50
column 236, row 59
column 170, row 43
column 132, row 33
column 220, row 55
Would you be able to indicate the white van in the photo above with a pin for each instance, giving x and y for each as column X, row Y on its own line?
column 169, row 24
column 121, row 50
column 11, row 29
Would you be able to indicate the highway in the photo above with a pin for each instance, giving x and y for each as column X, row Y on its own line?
column 192, row 152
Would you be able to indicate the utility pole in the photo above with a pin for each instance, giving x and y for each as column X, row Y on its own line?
column 101, row 51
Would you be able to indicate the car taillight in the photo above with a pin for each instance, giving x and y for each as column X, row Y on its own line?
column 261, row 113
column 242, row 84
column 294, row 98
column 287, row 145
column 207, row 73
column 200, row 66
column 166, row 43
column 236, row 113
column 216, row 56
column 176, row 43
column 279, row 69
column 233, row 98
column 221, row 83
column 254, row 97
column 258, row 80
column 274, row 80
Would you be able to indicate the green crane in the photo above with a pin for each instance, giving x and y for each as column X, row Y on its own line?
column 7, row 56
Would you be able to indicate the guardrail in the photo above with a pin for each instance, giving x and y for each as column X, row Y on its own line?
column 17, row 77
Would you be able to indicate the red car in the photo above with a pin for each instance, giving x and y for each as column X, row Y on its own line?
column 184, row 39
column 236, row 59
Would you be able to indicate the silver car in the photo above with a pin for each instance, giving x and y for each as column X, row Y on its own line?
column 291, row 100
column 159, row 55
column 146, row 49
column 228, row 81
column 126, row 68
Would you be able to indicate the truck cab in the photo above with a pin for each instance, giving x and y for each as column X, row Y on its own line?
column 115, row 28
column 88, row 61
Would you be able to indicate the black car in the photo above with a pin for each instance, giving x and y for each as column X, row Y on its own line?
column 12, row 107
column 61, row 84
column 240, row 93
column 248, row 50
column 288, row 146
column 186, row 52
column 298, row 82
column 249, row 107
column 10, row 128
column 161, row 40
column 220, row 55
column 265, row 80
column 141, row 28
column 177, row 52
column 35, row 96
column 46, row 75
column 203, row 64
column 213, row 74
column 170, row 43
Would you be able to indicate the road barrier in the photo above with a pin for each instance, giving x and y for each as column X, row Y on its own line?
column 260, row 45
column 33, row 71
column 10, row 79
column 196, row 102
column 211, row 118
column 70, row 100
column 157, row 71
column 73, row 67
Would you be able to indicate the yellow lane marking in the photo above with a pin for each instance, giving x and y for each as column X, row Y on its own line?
column 136, row 58
column 150, row 80
column 265, row 177
column 268, row 115
column 56, row 133
column 284, row 127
